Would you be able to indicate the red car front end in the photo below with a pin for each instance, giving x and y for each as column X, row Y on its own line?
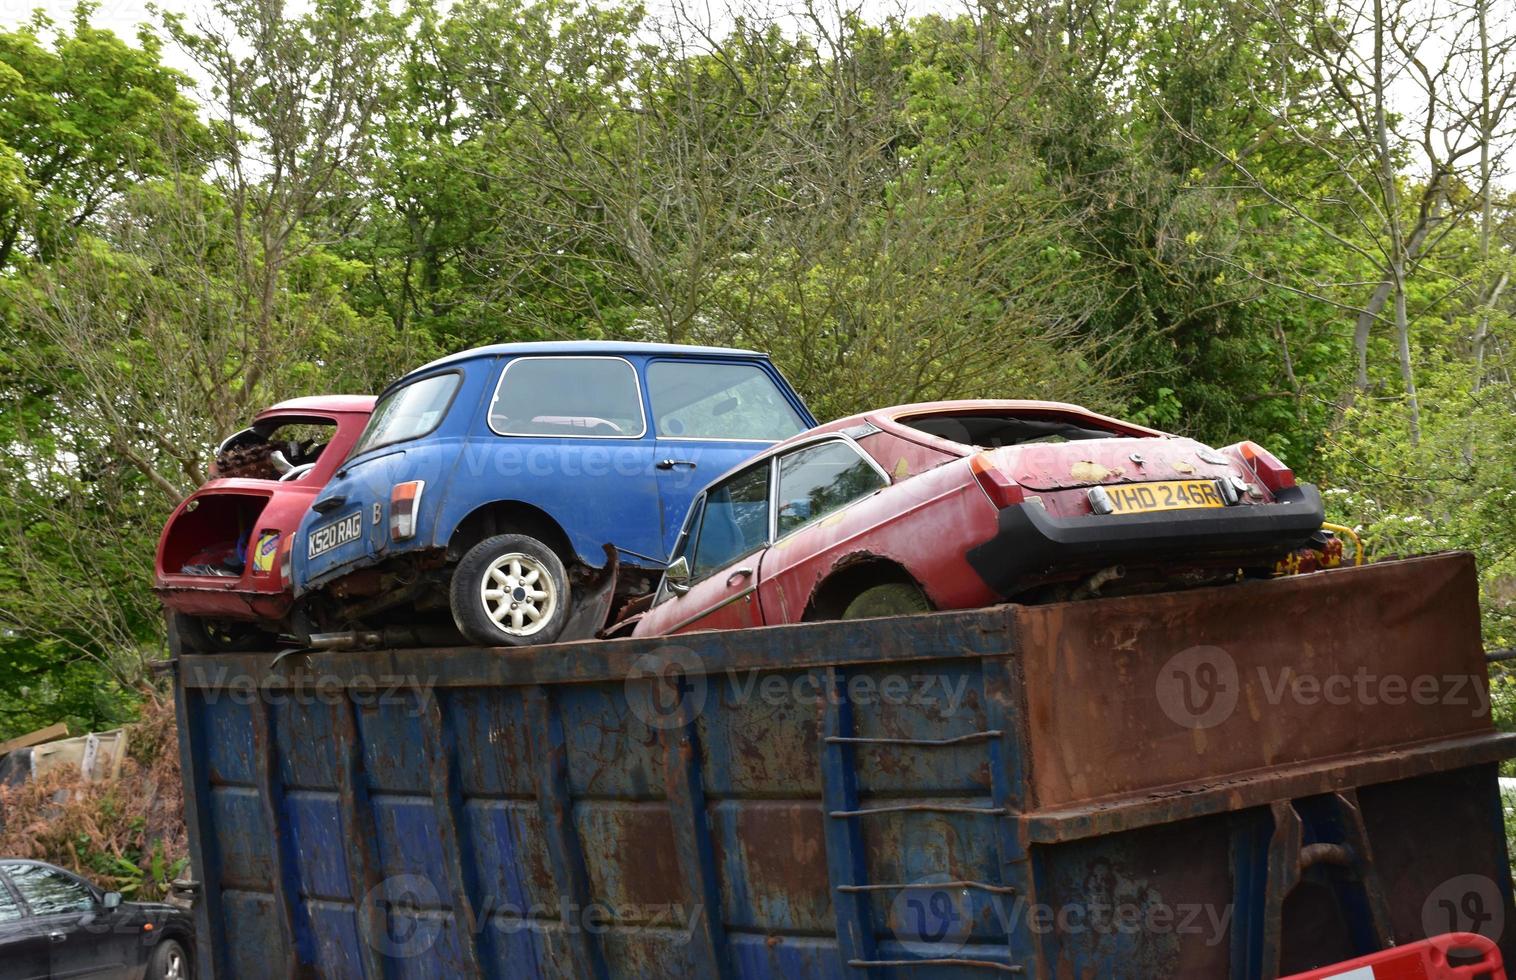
column 220, row 554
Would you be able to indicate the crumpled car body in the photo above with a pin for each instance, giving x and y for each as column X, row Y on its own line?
column 968, row 503
column 221, row 555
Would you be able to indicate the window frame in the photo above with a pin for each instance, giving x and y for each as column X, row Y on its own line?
column 841, row 437
column 500, row 382
column 696, row 516
column 9, row 888
column 8, row 869
column 781, row 385
column 768, row 530
column 359, row 449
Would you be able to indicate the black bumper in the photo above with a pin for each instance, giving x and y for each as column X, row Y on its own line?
column 1032, row 543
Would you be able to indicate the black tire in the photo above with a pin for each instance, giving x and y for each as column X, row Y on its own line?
column 191, row 634
column 887, row 599
column 547, row 594
column 169, row 961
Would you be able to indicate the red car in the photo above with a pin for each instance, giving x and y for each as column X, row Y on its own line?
column 956, row 505
column 219, row 565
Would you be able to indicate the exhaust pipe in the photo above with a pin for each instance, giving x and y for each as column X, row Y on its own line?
column 1092, row 585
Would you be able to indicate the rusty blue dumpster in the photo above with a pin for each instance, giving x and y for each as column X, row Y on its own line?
column 1237, row 782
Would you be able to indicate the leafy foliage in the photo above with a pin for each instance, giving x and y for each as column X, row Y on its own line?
column 1182, row 212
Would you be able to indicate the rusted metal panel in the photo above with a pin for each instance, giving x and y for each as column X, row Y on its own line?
column 284, row 873
column 1134, row 694
column 891, row 798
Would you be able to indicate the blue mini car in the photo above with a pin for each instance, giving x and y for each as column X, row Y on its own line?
column 488, row 483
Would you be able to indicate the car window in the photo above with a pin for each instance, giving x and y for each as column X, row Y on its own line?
column 568, row 396
column 712, row 400
column 990, row 430
column 819, row 479
column 10, row 909
column 48, row 891
column 408, row 412
column 735, row 521
column 270, row 449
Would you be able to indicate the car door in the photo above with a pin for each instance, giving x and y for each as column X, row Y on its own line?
column 816, row 481
column 82, row 942
column 724, row 547
column 24, row 946
column 570, row 436
column 710, row 415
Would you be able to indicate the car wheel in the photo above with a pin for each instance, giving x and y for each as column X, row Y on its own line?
column 887, row 599
column 510, row 590
column 191, row 634
column 168, row 962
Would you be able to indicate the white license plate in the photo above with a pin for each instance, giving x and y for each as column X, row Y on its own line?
column 333, row 535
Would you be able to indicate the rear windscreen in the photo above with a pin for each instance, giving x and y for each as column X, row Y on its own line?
column 408, row 412
column 994, row 431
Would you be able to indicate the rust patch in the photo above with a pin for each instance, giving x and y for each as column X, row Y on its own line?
column 1089, row 471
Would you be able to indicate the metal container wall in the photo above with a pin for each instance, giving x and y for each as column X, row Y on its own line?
column 1123, row 787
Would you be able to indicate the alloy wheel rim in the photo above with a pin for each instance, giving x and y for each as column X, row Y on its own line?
column 175, row 969
column 518, row 594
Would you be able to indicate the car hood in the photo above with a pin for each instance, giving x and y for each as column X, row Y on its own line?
column 1091, row 462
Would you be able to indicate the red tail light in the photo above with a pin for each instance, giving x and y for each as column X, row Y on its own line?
column 404, row 500
column 285, row 548
column 1001, row 489
column 1266, row 466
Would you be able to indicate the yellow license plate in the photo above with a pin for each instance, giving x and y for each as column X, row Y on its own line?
column 1136, row 498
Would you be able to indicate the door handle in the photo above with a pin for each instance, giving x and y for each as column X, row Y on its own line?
column 738, row 573
column 328, row 504
column 57, row 937
column 668, row 464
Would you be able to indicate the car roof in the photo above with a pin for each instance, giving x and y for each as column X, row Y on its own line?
column 887, row 419
column 324, row 403
column 581, row 347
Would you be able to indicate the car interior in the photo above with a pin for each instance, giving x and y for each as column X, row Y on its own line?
column 275, row 449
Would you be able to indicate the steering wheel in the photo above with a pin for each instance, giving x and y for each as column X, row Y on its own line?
column 296, row 472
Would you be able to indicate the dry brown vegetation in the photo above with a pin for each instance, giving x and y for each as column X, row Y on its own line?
column 125, row 834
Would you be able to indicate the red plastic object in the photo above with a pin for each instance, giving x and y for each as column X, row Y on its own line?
column 1425, row 960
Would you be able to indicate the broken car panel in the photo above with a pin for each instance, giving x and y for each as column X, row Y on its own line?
column 218, row 567
column 954, row 505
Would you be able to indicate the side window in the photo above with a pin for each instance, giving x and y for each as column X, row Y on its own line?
column 736, row 520
column 717, row 400
column 48, row 891
column 10, row 909
column 568, row 396
column 819, row 479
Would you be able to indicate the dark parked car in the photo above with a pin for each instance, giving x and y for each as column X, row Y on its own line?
column 55, row 924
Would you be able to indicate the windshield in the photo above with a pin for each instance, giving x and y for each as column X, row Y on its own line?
column 712, row 400
column 408, row 412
